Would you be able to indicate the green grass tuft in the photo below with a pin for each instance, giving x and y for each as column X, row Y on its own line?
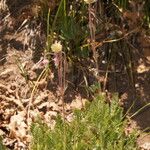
column 98, row 127
column 2, row 147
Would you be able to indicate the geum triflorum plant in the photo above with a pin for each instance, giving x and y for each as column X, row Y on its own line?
column 56, row 48
column 60, row 63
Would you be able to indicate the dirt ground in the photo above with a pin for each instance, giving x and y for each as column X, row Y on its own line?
column 21, row 49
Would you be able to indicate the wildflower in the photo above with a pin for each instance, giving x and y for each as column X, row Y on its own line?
column 56, row 47
column 56, row 60
column 89, row 1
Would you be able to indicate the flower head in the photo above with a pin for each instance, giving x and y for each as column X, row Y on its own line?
column 89, row 1
column 56, row 47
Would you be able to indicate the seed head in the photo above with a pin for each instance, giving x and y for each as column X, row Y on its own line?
column 56, row 47
column 90, row 1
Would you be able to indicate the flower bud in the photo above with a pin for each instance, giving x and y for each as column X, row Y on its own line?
column 89, row 1
column 56, row 47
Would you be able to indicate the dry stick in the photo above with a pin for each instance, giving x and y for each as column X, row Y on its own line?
column 97, row 44
column 117, row 39
column 64, row 82
column 33, row 92
column 137, row 112
column 105, row 79
column 61, row 76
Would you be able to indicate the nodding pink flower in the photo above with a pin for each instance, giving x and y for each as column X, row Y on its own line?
column 56, row 60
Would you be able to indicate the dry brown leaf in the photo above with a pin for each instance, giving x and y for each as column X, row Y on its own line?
column 70, row 117
column 40, row 98
column 6, row 72
column 145, row 146
column 17, row 125
column 1, row 132
column 142, row 68
column 54, row 106
column 44, row 104
column 78, row 103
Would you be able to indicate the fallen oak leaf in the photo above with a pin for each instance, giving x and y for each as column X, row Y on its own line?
column 16, row 101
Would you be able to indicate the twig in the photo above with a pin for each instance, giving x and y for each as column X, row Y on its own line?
column 137, row 112
column 33, row 92
column 115, row 40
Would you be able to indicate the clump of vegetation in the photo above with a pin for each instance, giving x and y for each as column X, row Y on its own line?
column 83, row 45
column 99, row 126
column 2, row 147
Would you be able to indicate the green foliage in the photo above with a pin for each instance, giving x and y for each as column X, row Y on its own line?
column 2, row 147
column 99, row 126
column 69, row 22
column 70, row 25
column 147, row 12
